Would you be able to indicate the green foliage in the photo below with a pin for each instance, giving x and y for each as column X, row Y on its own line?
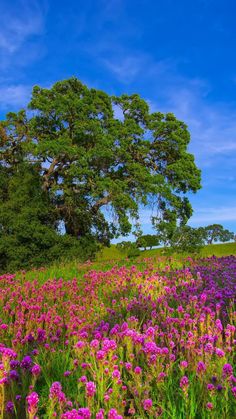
column 216, row 233
column 186, row 239
column 133, row 252
column 28, row 229
column 129, row 249
column 148, row 240
column 124, row 246
column 86, row 160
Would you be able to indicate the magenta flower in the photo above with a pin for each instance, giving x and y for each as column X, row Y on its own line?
column 36, row 370
column 147, row 404
column 90, row 389
column 100, row 414
column 112, row 414
column 85, row 413
column 201, row 367
column 138, row 370
column 32, row 401
column 184, row 383
column 227, row 370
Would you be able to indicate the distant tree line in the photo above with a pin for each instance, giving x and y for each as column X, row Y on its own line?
column 184, row 238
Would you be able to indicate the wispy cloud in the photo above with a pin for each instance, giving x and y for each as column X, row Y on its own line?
column 14, row 96
column 25, row 20
column 211, row 215
column 22, row 22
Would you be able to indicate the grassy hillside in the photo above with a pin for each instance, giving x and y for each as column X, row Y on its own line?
column 222, row 249
column 111, row 256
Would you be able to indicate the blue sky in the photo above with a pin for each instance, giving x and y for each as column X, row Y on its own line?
column 178, row 55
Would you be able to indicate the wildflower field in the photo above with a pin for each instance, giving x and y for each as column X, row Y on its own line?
column 140, row 341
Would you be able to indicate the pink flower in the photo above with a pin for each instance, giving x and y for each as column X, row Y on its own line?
column 147, row 404
column 112, row 414
column 201, row 367
column 32, row 400
column 116, row 374
column 234, row 391
column 100, row 414
column 71, row 414
column 183, row 364
column 36, row 370
column 85, row 413
column 227, row 370
column 184, row 383
column 90, row 389
column 209, row 406
column 137, row 370
column 219, row 353
column 128, row 366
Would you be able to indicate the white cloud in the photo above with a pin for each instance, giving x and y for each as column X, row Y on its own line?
column 14, row 96
column 213, row 215
column 125, row 70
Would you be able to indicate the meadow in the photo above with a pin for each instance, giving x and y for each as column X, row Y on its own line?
column 114, row 339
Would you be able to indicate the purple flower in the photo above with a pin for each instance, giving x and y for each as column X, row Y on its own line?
column 13, row 375
column 227, row 370
column 184, row 383
column 36, row 370
column 26, row 362
column 10, row 407
column 201, row 367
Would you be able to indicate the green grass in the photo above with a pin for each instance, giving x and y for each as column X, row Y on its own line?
column 111, row 256
column 222, row 249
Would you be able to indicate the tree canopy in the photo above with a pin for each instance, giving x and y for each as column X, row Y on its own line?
column 148, row 240
column 216, row 233
column 95, row 169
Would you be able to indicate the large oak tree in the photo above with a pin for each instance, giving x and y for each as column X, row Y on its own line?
column 95, row 152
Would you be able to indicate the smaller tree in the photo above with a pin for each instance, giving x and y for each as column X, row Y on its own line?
column 148, row 240
column 216, row 233
column 186, row 239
